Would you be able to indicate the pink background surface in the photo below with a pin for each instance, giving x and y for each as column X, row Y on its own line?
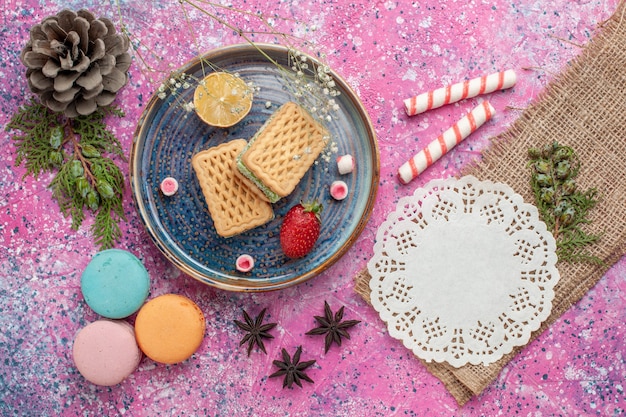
column 387, row 51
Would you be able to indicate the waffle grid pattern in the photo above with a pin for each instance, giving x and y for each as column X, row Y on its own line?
column 233, row 206
column 284, row 149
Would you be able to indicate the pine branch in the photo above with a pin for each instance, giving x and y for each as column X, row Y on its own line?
column 563, row 208
column 94, row 132
column 34, row 148
column 86, row 179
column 105, row 228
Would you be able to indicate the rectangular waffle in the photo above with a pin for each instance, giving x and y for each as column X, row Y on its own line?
column 282, row 151
column 233, row 206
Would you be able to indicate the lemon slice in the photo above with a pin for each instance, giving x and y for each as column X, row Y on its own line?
column 222, row 99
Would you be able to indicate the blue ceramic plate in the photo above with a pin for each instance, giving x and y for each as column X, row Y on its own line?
column 166, row 139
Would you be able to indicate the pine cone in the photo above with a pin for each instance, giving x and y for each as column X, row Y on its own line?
column 76, row 63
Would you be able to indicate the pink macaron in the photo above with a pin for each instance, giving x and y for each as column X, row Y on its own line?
column 105, row 352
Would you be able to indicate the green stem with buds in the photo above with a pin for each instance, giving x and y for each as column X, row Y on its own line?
column 561, row 205
column 74, row 150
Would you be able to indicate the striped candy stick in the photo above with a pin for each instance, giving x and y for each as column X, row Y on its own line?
column 459, row 91
column 446, row 141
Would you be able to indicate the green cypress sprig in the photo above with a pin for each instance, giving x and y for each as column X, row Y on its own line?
column 77, row 149
column 563, row 208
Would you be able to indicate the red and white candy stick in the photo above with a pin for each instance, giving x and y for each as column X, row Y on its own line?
column 459, row 91
column 446, row 141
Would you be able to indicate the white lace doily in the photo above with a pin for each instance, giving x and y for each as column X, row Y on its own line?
column 463, row 271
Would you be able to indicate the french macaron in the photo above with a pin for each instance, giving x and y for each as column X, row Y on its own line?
column 105, row 352
column 169, row 328
column 115, row 283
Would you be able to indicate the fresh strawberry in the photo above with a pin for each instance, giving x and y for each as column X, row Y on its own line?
column 300, row 229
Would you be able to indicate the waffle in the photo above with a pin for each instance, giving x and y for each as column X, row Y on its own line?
column 233, row 206
column 282, row 151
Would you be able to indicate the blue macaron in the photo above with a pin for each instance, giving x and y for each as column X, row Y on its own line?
column 115, row 283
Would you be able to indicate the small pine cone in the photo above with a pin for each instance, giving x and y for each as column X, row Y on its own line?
column 75, row 62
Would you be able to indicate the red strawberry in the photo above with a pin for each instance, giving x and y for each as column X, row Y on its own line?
column 300, row 229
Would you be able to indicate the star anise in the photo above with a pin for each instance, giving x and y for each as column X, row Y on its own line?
column 332, row 326
column 292, row 369
column 256, row 330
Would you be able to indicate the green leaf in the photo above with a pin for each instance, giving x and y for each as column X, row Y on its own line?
column 76, row 168
column 90, row 151
column 105, row 190
column 83, row 186
column 56, row 137
column 93, row 200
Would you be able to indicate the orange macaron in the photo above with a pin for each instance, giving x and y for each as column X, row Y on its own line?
column 169, row 328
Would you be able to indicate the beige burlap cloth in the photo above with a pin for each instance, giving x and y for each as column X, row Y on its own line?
column 584, row 107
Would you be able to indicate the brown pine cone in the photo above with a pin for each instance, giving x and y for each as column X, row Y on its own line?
column 76, row 63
